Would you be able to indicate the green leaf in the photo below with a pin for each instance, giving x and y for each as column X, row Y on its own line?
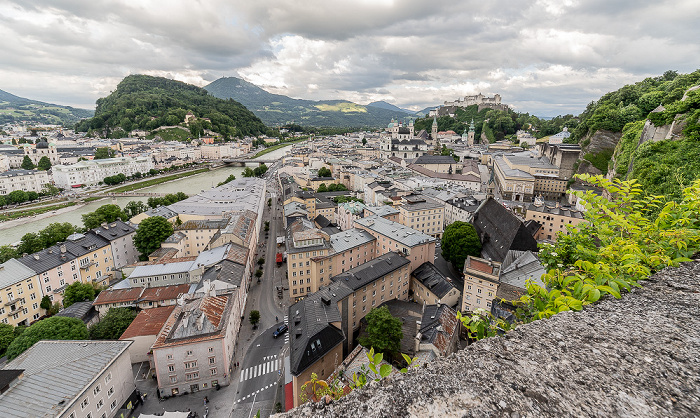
column 385, row 370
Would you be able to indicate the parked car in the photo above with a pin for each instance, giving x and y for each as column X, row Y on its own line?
column 279, row 331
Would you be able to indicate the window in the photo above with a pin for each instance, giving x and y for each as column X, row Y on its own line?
column 170, row 356
column 110, row 392
column 189, row 352
column 96, row 390
column 100, row 404
column 173, row 379
column 84, row 403
column 192, row 376
column 171, row 368
column 108, row 377
column 113, row 405
column 213, row 372
column 211, row 349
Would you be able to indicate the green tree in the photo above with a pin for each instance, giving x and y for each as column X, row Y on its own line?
column 229, row 179
column 248, row 172
column 30, row 243
column 78, row 292
column 150, row 234
column 105, row 213
column 54, row 328
column 17, row 196
column 7, row 252
column 27, row 163
column 258, row 273
column 45, row 303
column 254, row 317
column 56, row 232
column 44, row 163
column 364, row 141
column 324, row 172
column 32, row 195
column 50, row 190
column 322, row 188
column 113, row 325
column 383, row 331
column 458, row 241
column 7, row 335
column 104, row 152
column 134, row 208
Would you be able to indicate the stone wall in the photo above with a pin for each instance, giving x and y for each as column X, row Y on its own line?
column 634, row 357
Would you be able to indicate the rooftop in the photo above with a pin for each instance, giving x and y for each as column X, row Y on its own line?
column 12, row 271
column 148, row 322
column 366, row 273
column 433, row 279
column 350, row 238
column 404, row 235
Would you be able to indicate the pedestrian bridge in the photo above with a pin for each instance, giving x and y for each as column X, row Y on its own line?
column 241, row 162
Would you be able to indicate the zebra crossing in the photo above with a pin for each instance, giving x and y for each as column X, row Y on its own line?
column 255, row 393
column 271, row 364
column 286, row 334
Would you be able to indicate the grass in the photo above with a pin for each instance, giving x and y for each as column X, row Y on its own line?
column 24, row 213
column 171, row 134
column 276, row 147
column 91, row 199
column 153, row 182
column 341, row 107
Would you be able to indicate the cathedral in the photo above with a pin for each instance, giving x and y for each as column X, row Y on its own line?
column 399, row 140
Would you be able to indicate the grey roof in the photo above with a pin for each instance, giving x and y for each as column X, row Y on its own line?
column 394, row 230
column 213, row 256
column 520, row 266
column 161, row 269
column 54, row 372
column 372, row 270
column 431, row 324
column 500, row 231
column 469, row 204
column 237, row 195
column 225, row 271
column 311, row 333
column 383, row 210
column 433, row 279
column 531, row 161
column 510, row 172
column 17, row 172
column 422, row 204
column 80, row 310
column 556, row 211
column 163, row 211
column 350, row 238
column 435, row 159
column 114, row 230
column 12, row 271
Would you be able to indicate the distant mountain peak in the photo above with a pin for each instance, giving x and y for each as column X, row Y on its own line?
column 386, row 105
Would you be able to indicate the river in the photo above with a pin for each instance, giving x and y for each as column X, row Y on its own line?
column 190, row 185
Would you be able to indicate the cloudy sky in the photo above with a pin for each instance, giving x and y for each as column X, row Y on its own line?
column 546, row 57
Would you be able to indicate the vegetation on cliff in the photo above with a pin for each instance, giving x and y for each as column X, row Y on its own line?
column 147, row 103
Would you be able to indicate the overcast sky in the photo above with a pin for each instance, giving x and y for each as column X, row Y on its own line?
column 546, row 57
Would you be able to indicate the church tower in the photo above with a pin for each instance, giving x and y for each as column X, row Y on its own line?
column 435, row 128
column 470, row 135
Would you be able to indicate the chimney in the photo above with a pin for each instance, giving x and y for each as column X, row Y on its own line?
column 63, row 248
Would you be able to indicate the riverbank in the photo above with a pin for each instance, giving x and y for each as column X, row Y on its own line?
column 48, row 214
column 278, row 146
column 153, row 182
column 26, row 213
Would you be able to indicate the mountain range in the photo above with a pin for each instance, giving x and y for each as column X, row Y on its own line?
column 18, row 109
column 277, row 109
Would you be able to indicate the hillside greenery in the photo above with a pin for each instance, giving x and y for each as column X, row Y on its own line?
column 18, row 109
column 147, row 103
column 278, row 110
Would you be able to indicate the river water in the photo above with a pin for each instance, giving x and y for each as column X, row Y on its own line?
column 189, row 185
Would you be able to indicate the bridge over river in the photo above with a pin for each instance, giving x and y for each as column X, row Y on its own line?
column 241, row 162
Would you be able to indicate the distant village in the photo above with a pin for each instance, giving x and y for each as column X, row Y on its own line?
column 375, row 241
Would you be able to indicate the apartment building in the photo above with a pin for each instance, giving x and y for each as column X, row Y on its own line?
column 321, row 326
column 25, row 180
column 121, row 239
column 460, row 209
column 554, row 220
column 92, row 172
column 422, row 214
column 193, row 350
column 20, row 294
column 304, row 242
column 385, row 211
column 417, row 247
column 193, row 237
column 69, row 379
column 347, row 213
column 429, row 286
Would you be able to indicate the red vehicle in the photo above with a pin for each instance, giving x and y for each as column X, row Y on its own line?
column 279, row 259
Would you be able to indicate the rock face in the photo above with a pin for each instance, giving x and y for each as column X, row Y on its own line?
column 633, row 357
column 599, row 141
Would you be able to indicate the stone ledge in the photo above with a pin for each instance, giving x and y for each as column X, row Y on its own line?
column 637, row 357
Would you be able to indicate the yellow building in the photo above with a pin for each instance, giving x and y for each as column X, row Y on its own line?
column 422, row 214
column 554, row 220
column 480, row 283
column 20, row 294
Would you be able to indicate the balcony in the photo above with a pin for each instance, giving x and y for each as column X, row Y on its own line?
column 87, row 266
column 13, row 301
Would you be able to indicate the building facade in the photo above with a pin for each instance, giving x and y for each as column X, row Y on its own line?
column 20, row 294
column 25, row 180
column 92, row 172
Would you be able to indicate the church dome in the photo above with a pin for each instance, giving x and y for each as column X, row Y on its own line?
column 42, row 145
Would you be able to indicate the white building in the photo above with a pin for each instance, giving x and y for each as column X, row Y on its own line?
column 25, row 180
column 92, row 172
column 121, row 238
column 68, row 379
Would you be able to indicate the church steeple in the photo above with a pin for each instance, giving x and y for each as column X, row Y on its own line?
column 470, row 135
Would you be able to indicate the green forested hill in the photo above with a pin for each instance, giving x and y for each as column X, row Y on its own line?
column 146, row 102
column 18, row 109
column 277, row 109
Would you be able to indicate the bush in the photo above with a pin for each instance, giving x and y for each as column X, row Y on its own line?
column 54, row 328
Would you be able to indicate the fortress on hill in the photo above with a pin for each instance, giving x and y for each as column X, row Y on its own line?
column 482, row 101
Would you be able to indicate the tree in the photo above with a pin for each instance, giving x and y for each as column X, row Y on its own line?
column 50, row 190
column 78, row 292
column 261, row 261
column 322, row 188
column 150, row 234
column 105, row 213
column 364, row 141
column 113, row 325
column 258, row 273
column 27, row 163
column 324, row 172
column 248, row 172
column 44, row 163
column 7, row 335
column 134, row 207
column 228, row 179
column 45, row 303
column 104, row 152
column 459, row 241
column 267, row 226
column 17, row 196
column 254, row 318
column 32, row 195
column 54, row 328
column 7, row 252
column 56, row 232
column 383, row 331
column 30, row 243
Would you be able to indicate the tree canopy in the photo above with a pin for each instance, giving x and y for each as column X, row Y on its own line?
column 44, row 163
column 103, row 152
column 27, row 163
column 458, row 241
column 150, row 234
column 7, row 335
column 383, row 331
column 324, row 172
column 105, row 213
column 54, row 233
column 113, row 325
column 78, row 292
column 54, row 328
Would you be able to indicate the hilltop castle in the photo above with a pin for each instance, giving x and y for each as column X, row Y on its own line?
column 448, row 108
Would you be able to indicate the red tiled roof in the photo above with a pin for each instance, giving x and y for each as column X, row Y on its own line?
column 480, row 266
column 153, row 294
column 118, row 296
column 148, row 322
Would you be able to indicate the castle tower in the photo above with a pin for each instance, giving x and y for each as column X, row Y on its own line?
column 470, row 135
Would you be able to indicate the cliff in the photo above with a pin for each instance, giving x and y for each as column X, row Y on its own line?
column 635, row 357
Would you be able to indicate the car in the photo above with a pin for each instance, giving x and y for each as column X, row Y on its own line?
column 279, row 331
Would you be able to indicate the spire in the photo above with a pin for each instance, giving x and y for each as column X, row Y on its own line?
column 471, row 126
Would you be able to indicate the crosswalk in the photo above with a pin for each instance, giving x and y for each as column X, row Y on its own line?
column 271, row 364
column 286, row 334
column 255, row 393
